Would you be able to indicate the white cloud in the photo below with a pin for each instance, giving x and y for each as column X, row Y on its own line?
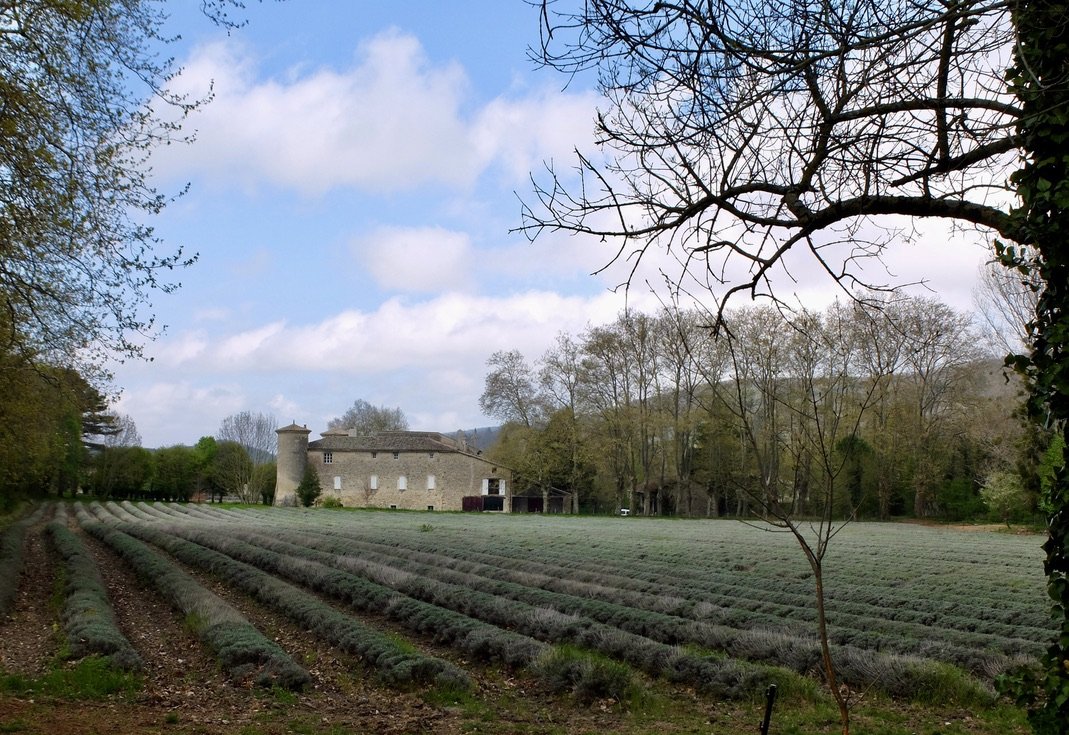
column 417, row 259
column 441, row 332
column 211, row 314
column 174, row 412
column 523, row 132
column 281, row 406
column 389, row 122
column 392, row 121
column 428, row 357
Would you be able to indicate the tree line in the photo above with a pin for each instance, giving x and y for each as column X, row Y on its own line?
column 848, row 411
column 59, row 436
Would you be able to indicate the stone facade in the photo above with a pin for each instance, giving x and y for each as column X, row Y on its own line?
column 398, row 469
column 290, row 463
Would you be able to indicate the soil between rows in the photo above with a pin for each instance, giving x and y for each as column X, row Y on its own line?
column 184, row 691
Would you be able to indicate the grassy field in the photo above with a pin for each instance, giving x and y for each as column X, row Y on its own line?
column 536, row 624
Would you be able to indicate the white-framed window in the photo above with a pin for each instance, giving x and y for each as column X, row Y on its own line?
column 328, row 457
column 402, row 482
column 373, row 482
column 492, row 486
column 431, row 482
column 337, row 482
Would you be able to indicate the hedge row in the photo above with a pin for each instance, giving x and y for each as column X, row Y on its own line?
column 667, row 575
column 473, row 637
column 240, row 647
column 902, row 676
column 87, row 615
column 983, row 648
column 724, row 678
column 394, row 662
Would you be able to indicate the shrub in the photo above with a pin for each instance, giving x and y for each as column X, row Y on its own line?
column 331, row 501
column 1005, row 497
column 87, row 615
column 396, row 662
column 240, row 648
column 586, row 675
column 309, row 490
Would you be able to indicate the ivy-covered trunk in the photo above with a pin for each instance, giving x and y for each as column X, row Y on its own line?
column 1040, row 80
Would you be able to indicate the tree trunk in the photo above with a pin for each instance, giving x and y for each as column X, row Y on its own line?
column 825, row 645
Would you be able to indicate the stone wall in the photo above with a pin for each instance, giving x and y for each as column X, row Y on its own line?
column 348, row 476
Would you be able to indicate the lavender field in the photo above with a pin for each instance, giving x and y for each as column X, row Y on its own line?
column 719, row 606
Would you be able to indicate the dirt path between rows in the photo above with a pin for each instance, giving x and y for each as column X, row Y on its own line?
column 27, row 639
column 183, row 688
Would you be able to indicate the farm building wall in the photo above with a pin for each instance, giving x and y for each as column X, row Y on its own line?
column 410, row 480
column 410, row 470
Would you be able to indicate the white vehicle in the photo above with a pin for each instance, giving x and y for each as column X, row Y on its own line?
column 625, row 511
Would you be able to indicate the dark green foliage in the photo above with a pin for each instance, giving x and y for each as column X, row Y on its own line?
column 41, row 412
column 959, row 500
column 240, row 648
column 586, row 675
column 87, row 615
column 122, row 472
column 308, row 491
column 231, row 468
column 176, row 474
column 94, row 677
column 1038, row 77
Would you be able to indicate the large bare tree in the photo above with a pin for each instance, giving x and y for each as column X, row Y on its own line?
column 252, row 477
column 739, row 131
column 737, row 134
column 366, row 419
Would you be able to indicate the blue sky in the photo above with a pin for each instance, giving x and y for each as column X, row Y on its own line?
column 352, row 188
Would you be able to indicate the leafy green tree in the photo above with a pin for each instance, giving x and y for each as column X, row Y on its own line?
column 123, row 472
column 255, row 432
column 85, row 101
column 1051, row 463
column 563, row 458
column 176, row 473
column 204, row 452
column 232, row 469
column 266, row 478
column 42, row 408
column 856, row 475
column 1004, row 495
column 308, row 491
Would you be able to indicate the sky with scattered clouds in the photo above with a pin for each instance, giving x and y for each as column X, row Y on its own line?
column 353, row 184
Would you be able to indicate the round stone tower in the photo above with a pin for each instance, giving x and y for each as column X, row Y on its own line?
column 292, row 458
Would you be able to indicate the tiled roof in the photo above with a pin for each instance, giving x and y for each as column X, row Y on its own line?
column 389, row 441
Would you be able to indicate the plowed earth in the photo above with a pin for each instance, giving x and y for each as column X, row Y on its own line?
column 184, row 691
